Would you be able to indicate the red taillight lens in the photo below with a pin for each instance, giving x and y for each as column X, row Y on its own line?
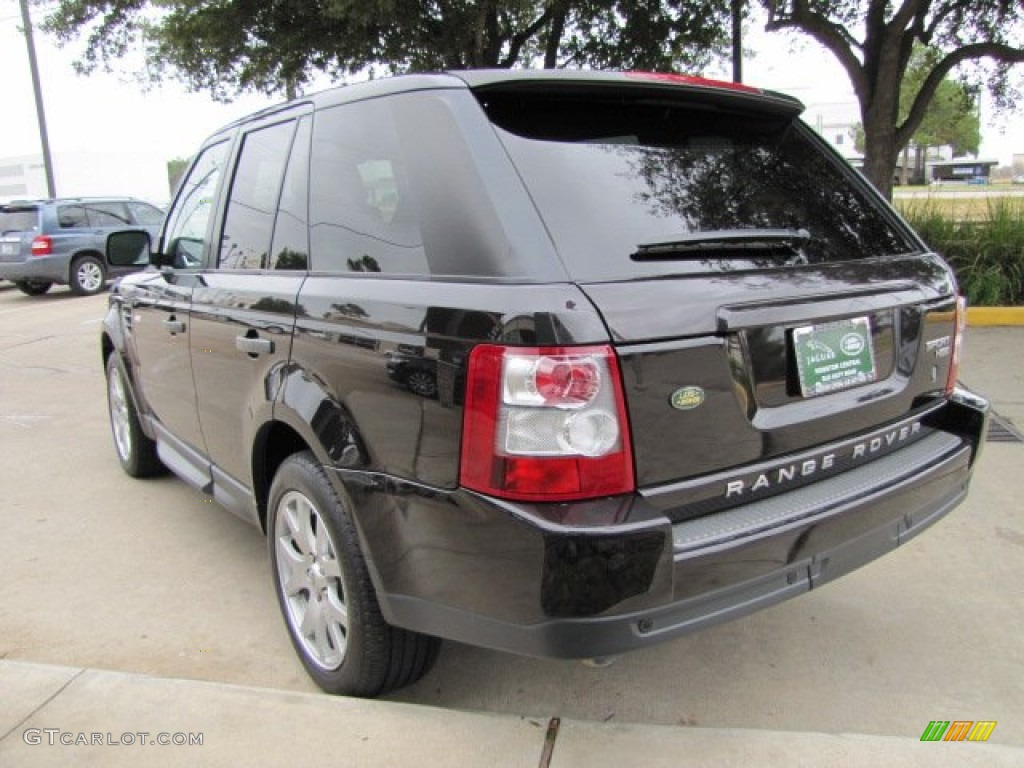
column 545, row 424
column 959, row 331
column 42, row 246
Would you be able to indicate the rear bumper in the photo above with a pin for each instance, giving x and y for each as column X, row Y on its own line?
column 548, row 582
column 41, row 268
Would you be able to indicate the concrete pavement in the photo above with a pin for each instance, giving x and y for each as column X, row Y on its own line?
column 60, row 716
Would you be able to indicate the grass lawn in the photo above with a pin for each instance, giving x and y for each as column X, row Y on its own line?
column 956, row 202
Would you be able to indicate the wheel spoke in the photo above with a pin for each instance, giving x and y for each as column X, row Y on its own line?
column 335, row 610
column 295, row 578
column 294, row 522
column 323, row 540
column 331, row 568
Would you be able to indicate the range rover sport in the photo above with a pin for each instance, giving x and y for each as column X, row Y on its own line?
column 562, row 364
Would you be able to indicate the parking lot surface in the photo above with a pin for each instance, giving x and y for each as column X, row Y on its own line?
column 103, row 572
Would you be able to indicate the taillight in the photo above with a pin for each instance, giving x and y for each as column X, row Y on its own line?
column 545, row 424
column 959, row 330
column 42, row 245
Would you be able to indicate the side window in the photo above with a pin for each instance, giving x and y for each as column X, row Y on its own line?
column 146, row 214
column 108, row 214
column 362, row 217
column 72, row 217
column 290, row 249
column 249, row 222
column 189, row 219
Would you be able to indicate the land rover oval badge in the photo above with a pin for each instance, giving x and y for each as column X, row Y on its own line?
column 687, row 398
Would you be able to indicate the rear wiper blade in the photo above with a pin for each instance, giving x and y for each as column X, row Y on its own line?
column 723, row 243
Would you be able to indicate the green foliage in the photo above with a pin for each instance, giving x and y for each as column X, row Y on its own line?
column 987, row 254
column 951, row 118
column 175, row 170
column 238, row 45
column 874, row 40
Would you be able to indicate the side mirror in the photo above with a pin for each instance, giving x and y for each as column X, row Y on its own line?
column 130, row 248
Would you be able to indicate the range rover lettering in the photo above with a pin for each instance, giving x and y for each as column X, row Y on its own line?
column 562, row 364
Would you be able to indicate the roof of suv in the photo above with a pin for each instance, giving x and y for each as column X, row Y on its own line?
column 533, row 78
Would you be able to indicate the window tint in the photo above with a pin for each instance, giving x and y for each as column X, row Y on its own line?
column 611, row 175
column 361, row 210
column 145, row 214
column 249, row 221
column 18, row 220
column 190, row 217
column 72, row 217
column 290, row 249
column 108, row 214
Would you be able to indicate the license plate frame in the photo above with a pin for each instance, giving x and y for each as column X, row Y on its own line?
column 834, row 356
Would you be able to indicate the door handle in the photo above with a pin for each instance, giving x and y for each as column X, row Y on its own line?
column 173, row 325
column 253, row 345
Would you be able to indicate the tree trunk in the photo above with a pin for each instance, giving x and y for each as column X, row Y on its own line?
column 555, row 32
column 880, row 154
column 881, row 149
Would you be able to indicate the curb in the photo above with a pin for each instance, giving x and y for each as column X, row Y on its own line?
column 978, row 316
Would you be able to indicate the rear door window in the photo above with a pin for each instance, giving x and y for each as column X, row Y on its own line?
column 72, row 217
column 619, row 178
column 290, row 248
column 107, row 214
column 249, row 222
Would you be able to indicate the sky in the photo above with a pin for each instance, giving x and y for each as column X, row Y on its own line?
column 109, row 135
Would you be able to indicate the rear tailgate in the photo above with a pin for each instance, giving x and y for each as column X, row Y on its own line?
column 711, row 367
column 18, row 225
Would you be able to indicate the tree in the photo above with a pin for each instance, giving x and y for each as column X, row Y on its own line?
column 950, row 120
column 175, row 170
column 238, row 45
column 873, row 40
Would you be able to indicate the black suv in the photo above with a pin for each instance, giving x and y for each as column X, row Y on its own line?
column 64, row 240
column 676, row 362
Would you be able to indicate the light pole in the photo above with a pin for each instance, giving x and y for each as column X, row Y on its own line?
column 737, row 41
column 40, row 112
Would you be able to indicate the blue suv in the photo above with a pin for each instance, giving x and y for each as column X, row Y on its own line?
column 43, row 242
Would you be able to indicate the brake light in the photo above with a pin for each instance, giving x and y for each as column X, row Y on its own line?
column 545, row 424
column 42, row 245
column 706, row 82
column 959, row 331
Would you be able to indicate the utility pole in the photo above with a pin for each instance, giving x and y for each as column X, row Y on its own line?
column 44, row 139
column 737, row 41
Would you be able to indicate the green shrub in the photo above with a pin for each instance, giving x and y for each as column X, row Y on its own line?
column 987, row 254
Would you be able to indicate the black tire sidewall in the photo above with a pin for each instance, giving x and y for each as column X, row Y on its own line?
column 33, row 287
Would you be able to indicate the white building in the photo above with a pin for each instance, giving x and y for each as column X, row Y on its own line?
column 86, row 174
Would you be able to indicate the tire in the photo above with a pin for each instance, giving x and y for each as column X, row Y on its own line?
column 88, row 276
column 324, row 590
column 135, row 451
column 33, row 287
column 422, row 383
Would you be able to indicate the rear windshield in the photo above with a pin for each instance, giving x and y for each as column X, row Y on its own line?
column 18, row 220
column 633, row 184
